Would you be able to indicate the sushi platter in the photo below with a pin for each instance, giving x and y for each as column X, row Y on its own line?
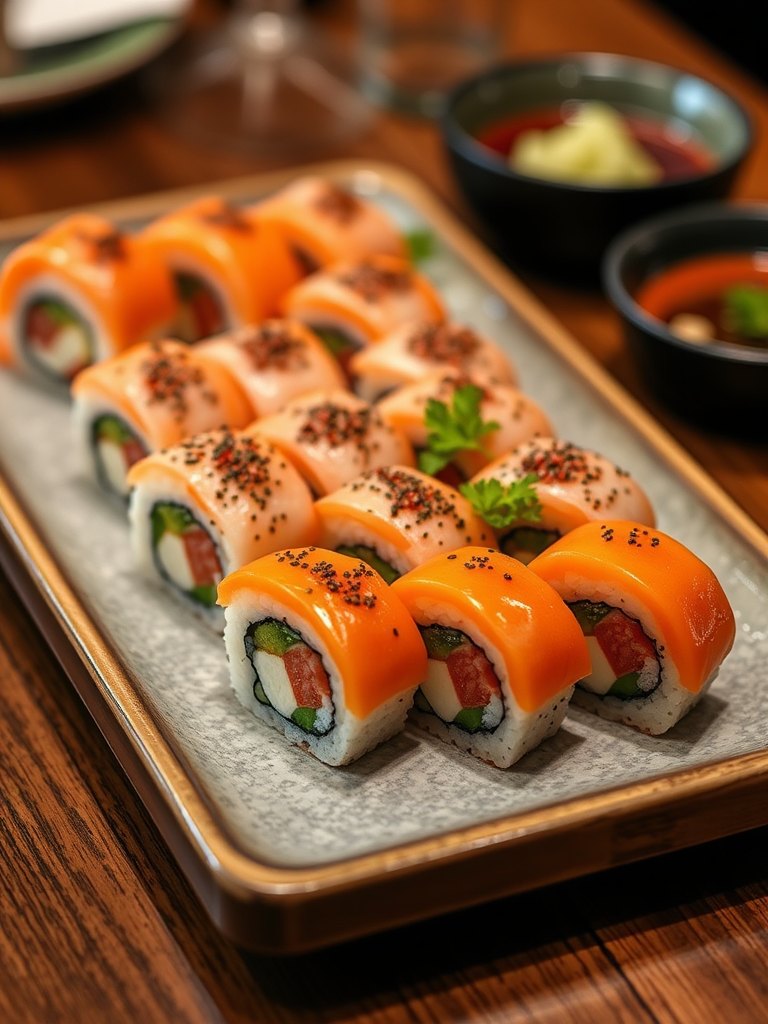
column 288, row 853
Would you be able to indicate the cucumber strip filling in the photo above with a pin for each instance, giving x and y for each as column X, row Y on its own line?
column 625, row 660
column 185, row 553
column 289, row 676
column 525, row 542
column 461, row 687
column 115, row 449
column 368, row 555
column 55, row 339
column 202, row 314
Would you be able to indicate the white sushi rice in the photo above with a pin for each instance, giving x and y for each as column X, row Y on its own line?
column 142, row 500
column 519, row 731
column 52, row 286
column 86, row 409
column 663, row 706
column 350, row 737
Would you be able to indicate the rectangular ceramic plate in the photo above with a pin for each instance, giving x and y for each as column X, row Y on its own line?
column 288, row 854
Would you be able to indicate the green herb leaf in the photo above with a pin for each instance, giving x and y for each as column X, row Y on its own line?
column 421, row 244
column 456, row 429
column 746, row 310
column 499, row 505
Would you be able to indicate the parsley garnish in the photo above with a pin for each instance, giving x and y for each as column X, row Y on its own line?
column 421, row 244
column 499, row 505
column 454, row 430
column 746, row 310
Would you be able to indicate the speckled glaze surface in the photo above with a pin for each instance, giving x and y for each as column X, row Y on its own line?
column 281, row 806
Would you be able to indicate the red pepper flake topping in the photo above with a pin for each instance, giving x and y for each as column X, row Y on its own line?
column 104, row 247
column 409, row 493
column 243, row 465
column 337, row 203
column 169, row 375
column 337, row 425
column 348, row 584
column 227, row 216
column 271, row 346
column 444, row 343
column 372, row 283
column 563, row 462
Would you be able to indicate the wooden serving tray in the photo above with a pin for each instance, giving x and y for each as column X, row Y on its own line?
column 288, row 854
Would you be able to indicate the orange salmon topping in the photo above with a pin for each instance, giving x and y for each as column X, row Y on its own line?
column 337, row 203
column 354, row 612
column 104, row 246
column 500, row 602
column 690, row 613
column 227, row 216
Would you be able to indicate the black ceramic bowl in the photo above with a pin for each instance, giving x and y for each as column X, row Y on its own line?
column 559, row 229
column 718, row 385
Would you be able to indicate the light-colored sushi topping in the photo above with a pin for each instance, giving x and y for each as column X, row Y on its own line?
column 409, row 493
column 372, row 282
column 563, row 462
column 337, row 425
column 444, row 343
column 243, row 465
column 271, row 346
column 170, row 375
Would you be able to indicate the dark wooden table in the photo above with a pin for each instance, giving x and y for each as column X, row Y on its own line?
column 98, row 923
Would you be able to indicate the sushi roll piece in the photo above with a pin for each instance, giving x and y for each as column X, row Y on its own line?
column 78, row 293
column 274, row 362
column 503, row 658
column 396, row 517
column 333, row 436
column 324, row 222
column 509, row 415
column 300, row 628
column 354, row 303
column 417, row 350
column 202, row 508
column 656, row 619
column 149, row 397
column 573, row 485
column 228, row 269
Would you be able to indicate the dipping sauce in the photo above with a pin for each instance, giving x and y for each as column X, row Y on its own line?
column 677, row 156
column 729, row 291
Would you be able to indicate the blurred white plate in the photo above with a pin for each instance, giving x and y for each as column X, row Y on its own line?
column 51, row 74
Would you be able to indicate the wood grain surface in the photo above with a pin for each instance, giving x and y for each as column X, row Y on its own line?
column 98, row 922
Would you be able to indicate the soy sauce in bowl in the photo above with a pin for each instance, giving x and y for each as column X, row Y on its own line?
column 715, row 297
